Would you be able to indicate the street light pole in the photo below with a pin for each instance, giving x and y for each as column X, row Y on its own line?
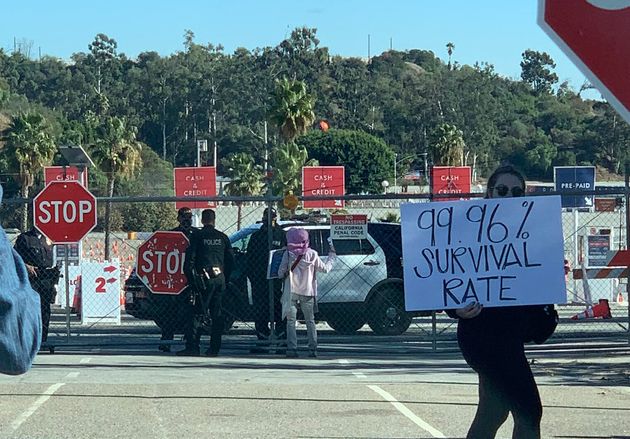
column 395, row 173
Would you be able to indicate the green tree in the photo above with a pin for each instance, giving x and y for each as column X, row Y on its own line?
column 117, row 153
column 293, row 109
column 367, row 159
column 30, row 146
column 246, row 179
column 450, row 47
column 448, row 146
column 287, row 162
column 536, row 70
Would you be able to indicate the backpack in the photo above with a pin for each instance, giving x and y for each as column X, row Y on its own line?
column 541, row 324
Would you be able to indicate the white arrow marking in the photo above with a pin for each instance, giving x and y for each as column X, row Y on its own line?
column 610, row 5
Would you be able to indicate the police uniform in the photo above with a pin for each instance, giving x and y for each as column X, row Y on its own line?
column 168, row 311
column 35, row 250
column 210, row 257
column 257, row 257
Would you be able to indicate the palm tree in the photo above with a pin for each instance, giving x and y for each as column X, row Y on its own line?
column 117, row 153
column 293, row 110
column 448, row 146
column 30, row 147
column 288, row 160
column 449, row 48
column 246, row 178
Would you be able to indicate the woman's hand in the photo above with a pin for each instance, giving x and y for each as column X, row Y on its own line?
column 469, row 311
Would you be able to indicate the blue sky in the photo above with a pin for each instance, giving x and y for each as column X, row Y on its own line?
column 494, row 31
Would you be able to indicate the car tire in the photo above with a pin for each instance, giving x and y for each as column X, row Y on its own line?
column 344, row 323
column 387, row 315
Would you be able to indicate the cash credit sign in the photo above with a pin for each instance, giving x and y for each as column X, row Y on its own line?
column 65, row 173
column 348, row 226
column 450, row 180
column 195, row 182
column 323, row 181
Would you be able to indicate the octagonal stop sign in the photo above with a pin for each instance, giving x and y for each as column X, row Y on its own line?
column 161, row 262
column 595, row 35
column 64, row 211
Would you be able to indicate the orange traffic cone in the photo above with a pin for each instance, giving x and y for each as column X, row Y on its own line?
column 602, row 309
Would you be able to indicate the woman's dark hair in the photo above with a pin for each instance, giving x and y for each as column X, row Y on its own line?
column 502, row 170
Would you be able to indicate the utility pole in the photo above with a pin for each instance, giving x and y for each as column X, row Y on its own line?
column 369, row 53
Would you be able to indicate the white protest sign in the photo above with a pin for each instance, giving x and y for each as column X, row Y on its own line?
column 348, row 226
column 497, row 252
column 100, row 292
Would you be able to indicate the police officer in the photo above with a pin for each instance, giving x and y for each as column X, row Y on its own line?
column 168, row 310
column 37, row 253
column 209, row 258
column 258, row 249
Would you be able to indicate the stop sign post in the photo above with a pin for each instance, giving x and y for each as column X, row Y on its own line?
column 161, row 263
column 595, row 35
column 64, row 211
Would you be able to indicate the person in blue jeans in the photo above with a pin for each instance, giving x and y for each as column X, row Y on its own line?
column 20, row 316
column 299, row 268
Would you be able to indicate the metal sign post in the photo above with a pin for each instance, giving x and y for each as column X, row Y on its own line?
column 67, row 282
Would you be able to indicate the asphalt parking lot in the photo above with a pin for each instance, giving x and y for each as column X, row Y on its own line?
column 98, row 393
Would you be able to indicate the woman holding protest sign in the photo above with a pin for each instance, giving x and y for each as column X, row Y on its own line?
column 492, row 343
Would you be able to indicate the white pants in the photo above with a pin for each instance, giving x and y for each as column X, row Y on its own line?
column 306, row 304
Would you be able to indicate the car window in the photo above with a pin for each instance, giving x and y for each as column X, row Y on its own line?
column 240, row 239
column 347, row 246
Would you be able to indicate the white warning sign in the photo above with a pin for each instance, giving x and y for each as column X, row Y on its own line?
column 348, row 227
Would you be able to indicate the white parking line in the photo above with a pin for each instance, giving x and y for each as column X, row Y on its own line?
column 37, row 404
column 408, row 413
column 359, row 375
column 72, row 375
column 399, row 405
column 85, row 360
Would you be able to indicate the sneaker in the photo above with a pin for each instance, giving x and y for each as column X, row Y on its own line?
column 312, row 354
column 188, row 352
column 164, row 348
column 292, row 353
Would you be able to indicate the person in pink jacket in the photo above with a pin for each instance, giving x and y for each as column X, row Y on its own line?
column 299, row 268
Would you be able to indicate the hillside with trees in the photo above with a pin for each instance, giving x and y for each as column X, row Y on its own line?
column 398, row 104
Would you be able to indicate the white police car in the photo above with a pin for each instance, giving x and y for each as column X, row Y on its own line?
column 364, row 286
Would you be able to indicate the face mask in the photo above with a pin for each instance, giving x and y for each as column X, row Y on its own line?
column 186, row 222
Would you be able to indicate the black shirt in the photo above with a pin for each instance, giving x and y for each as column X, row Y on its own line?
column 258, row 249
column 209, row 248
column 34, row 249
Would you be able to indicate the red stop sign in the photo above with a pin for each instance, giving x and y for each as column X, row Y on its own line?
column 64, row 211
column 595, row 34
column 161, row 262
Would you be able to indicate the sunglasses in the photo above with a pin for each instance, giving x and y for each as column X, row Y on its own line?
column 502, row 190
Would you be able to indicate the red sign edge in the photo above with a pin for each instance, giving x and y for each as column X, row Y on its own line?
column 610, row 97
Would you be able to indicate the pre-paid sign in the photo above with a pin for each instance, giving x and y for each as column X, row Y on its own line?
column 348, row 226
column 161, row 262
column 323, row 181
column 495, row 252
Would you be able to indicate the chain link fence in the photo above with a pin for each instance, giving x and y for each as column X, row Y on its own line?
column 100, row 301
